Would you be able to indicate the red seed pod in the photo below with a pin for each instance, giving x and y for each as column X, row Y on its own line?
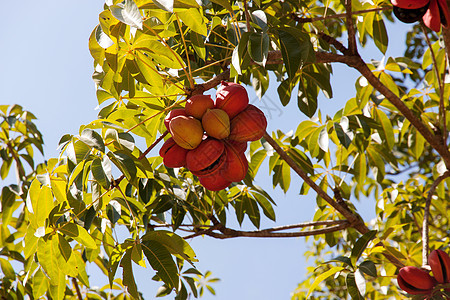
column 236, row 164
column 232, row 98
column 172, row 114
column 207, row 158
column 197, row 105
column 173, row 155
column 248, row 125
column 415, row 281
column 214, row 182
column 440, row 265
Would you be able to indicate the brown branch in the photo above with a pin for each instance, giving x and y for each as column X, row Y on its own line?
column 435, row 142
column 350, row 28
column 77, row 288
column 426, row 216
column 153, row 145
column 354, row 219
column 226, row 233
column 247, row 16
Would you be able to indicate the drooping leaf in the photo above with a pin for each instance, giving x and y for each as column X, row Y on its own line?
column 193, row 18
column 127, row 13
column 92, row 139
column 322, row 277
column 352, row 287
column 361, row 245
column 198, row 44
column 174, row 243
column 379, row 33
column 79, row 234
column 258, row 47
column 128, row 276
column 161, row 261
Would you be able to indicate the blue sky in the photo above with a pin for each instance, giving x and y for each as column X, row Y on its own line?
column 46, row 67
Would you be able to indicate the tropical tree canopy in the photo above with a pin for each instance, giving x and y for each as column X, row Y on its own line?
column 153, row 60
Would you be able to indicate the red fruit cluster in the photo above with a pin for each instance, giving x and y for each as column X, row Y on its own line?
column 210, row 138
column 416, row 281
column 432, row 12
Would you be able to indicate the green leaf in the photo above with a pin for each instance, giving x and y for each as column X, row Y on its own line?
column 380, row 36
column 369, row 268
column 99, row 173
column 127, row 13
column 161, row 261
column 128, row 277
column 43, row 206
column 387, row 132
column 360, row 169
column 48, row 255
column 322, row 277
column 361, row 245
column 260, row 19
column 64, row 247
column 174, row 243
column 57, row 290
column 265, row 205
column 193, row 18
column 40, row 284
column 92, row 139
column 124, row 163
column 352, row 287
column 225, row 4
column 307, row 97
column 113, row 211
column 79, row 234
column 284, row 91
column 7, row 269
column 291, row 50
column 252, row 210
column 258, row 47
column 198, row 44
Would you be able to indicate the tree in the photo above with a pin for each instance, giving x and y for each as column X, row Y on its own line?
column 388, row 143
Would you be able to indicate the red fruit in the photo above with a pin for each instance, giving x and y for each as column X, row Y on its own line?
column 232, row 98
column 207, row 158
column 197, row 105
column 440, row 265
column 415, row 281
column 236, row 164
column 173, row 155
column 240, row 146
column 248, row 125
column 172, row 114
column 214, row 182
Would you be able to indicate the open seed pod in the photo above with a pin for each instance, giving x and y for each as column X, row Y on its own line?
column 172, row 114
column 440, row 265
column 248, row 125
column 236, row 164
column 415, row 281
column 214, row 182
column 186, row 131
column 197, row 105
column 232, row 98
column 216, row 123
column 173, row 155
column 207, row 158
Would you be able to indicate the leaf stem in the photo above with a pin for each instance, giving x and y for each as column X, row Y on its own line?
column 191, row 81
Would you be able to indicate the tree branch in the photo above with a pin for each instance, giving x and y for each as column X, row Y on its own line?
column 426, row 216
column 77, row 288
column 226, row 233
column 350, row 28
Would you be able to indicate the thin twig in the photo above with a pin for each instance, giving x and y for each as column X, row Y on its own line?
column 426, row 216
column 153, row 145
column 339, row 16
column 247, row 16
column 77, row 288
column 442, row 112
